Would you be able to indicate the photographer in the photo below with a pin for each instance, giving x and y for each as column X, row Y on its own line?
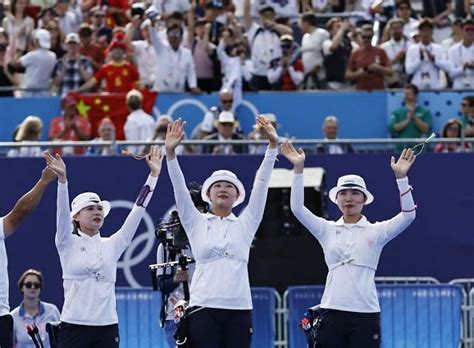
column 221, row 304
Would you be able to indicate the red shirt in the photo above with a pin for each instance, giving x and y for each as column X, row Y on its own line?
column 119, row 78
column 57, row 126
column 363, row 57
column 287, row 83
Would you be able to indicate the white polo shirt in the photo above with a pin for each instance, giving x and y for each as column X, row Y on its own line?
column 458, row 56
column 425, row 72
column 221, row 246
column 352, row 251
column 89, row 264
column 139, row 126
column 4, row 307
column 265, row 47
column 48, row 313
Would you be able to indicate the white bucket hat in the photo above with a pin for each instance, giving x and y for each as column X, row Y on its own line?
column 350, row 182
column 87, row 199
column 223, row 175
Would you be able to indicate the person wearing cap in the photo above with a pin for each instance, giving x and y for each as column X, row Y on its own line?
column 119, row 75
column 286, row 73
column 226, row 130
column 32, row 311
column 8, row 224
column 69, row 127
column 264, row 42
column 352, row 246
column 221, row 303
column 73, row 69
column 461, row 58
column 89, row 260
column 426, row 59
column 139, row 125
column 311, row 51
column 39, row 64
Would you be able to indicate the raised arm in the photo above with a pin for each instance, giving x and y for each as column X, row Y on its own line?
column 27, row 203
column 400, row 222
column 314, row 224
column 123, row 237
column 188, row 213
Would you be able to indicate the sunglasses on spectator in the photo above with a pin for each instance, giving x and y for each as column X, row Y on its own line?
column 286, row 46
column 30, row 285
column 174, row 34
column 227, row 124
column 227, row 101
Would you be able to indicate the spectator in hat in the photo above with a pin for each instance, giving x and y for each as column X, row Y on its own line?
column 73, row 69
column 18, row 25
column 89, row 48
column 119, row 75
column 176, row 68
column 330, row 130
column 69, row 127
column 312, row 52
column 226, row 125
column 368, row 65
column 30, row 130
column 264, row 42
column 39, row 64
column 453, row 129
column 425, row 59
column 106, row 130
column 139, row 124
column 145, row 55
column 461, row 58
column 286, row 73
column 337, row 50
column 69, row 17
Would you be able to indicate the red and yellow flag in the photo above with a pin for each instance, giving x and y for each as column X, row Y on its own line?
column 96, row 106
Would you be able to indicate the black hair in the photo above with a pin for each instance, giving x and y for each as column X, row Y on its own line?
column 310, row 18
column 175, row 27
column 413, row 87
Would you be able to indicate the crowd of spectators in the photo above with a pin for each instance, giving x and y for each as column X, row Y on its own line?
column 61, row 46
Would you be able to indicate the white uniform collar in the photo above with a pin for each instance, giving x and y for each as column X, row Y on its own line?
column 361, row 223
column 230, row 217
column 82, row 234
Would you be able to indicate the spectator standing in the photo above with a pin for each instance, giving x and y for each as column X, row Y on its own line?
column 396, row 51
column 404, row 12
column 337, row 50
column 456, row 35
column 57, row 38
column 32, row 311
column 461, row 58
column 467, row 114
column 411, row 120
column 312, row 52
column 7, row 78
column 89, row 48
column 425, row 59
column 69, row 127
column 106, row 130
column 176, row 66
column 139, row 125
column 119, row 75
column 73, row 69
column 438, row 11
column 264, row 41
column 69, row 17
column 19, row 25
column 39, row 65
column 368, row 65
column 286, row 73
column 330, row 129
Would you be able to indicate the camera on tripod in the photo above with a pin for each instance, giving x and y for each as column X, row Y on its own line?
column 171, row 234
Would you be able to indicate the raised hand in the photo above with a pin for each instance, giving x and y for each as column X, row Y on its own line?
column 266, row 128
column 56, row 165
column 174, row 135
column 47, row 175
column 154, row 160
column 296, row 157
column 403, row 164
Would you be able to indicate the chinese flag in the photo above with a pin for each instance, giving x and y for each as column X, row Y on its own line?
column 96, row 106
